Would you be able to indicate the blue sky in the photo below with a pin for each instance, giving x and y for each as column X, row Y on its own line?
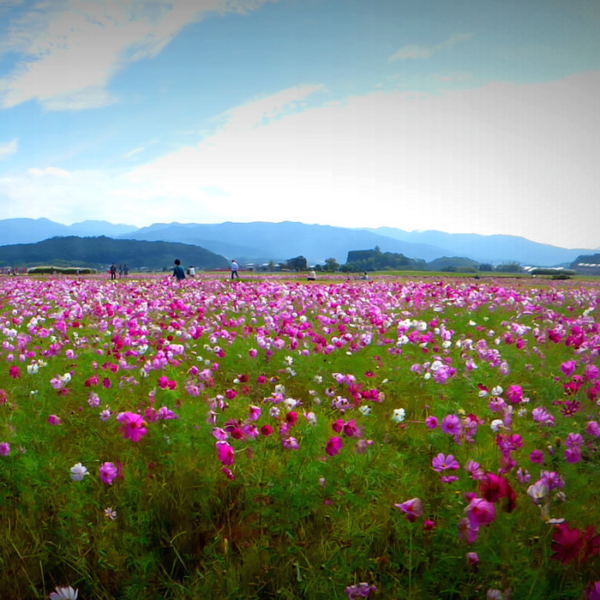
column 459, row 115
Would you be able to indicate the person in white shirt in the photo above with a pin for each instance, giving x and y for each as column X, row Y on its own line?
column 234, row 270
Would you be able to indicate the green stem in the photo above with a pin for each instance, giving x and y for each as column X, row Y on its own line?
column 410, row 536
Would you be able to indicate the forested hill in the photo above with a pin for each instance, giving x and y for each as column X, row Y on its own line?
column 98, row 252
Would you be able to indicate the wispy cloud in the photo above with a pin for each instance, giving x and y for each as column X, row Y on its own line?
column 133, row 152
column 8, row 148
column 419, row 51
column 51, row 171
column 261, row 111
column 70, row 49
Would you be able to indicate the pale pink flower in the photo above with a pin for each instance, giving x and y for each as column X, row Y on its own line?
column 411, row 508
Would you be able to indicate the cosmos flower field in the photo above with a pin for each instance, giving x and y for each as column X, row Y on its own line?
column 274, row 438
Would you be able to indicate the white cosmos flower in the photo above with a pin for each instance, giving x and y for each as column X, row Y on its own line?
column 78, row 472
column 64, row 593
column 497, row 425
column 398, row 415
column 365, row 410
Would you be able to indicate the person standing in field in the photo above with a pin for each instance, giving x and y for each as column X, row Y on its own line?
column 178, row 271
column 113, row 271
column 192, row 271
column 234, row 270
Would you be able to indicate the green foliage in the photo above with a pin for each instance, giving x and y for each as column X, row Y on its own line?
column 453, row 264
column 509, row 267
column 375, row 260
column 331, row 265
column 98, row 252
column 50, row 270
column 297, row 264
column 292, row 523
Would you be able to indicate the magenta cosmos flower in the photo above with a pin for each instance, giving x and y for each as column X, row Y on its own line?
column 226, row 453
column 108, row 472
column 411, row 508
column 133, row 426
column 334, row 445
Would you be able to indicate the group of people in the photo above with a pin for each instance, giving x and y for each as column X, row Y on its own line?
column 123, row 271
column 179, row 271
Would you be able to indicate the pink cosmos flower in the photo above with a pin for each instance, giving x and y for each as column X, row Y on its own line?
column 514, row 394
column 591, row 372
column 360, row 590
column 568, row 368
column 334, row 445
column 573, row 455
column 593, row 429
column 472, row 559
column 537, row 457
column 254, row 413
column 465, row 532
column 14, row 372
column 226, row 453
column 266, row 430
column 338, row 425
column 4, row 449
column 54, row 420
column 108, row 472
column 480, row 512
column 441, row 463
column 451, row 425
column 574, row 440
column 449, row 478
column 133, row 426
column 219, row 434
column 411, row 508
column 290, row 443
column 431, row 422
column 228, row 473
column 350, row 429
column 592, row 591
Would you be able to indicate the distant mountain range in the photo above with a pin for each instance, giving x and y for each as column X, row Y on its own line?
column 263, row 242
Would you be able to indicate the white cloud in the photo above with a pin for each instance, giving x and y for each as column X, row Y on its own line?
column 72, row 48
column 504, row 158
column 418, row 51
column 8, row 148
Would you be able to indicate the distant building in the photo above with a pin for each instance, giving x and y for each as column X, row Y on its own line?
column 587, row 268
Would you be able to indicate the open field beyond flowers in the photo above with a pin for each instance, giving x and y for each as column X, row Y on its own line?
column 282, row 439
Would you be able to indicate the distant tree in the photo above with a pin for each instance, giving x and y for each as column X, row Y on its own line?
column 509, row 267
column 318, row 268
column 297, row 264
column 486, row 267
column 331, row 265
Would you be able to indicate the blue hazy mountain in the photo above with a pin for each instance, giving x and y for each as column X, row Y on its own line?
column 262, row 241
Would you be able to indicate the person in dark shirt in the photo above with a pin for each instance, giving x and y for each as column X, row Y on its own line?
column 178, row 271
